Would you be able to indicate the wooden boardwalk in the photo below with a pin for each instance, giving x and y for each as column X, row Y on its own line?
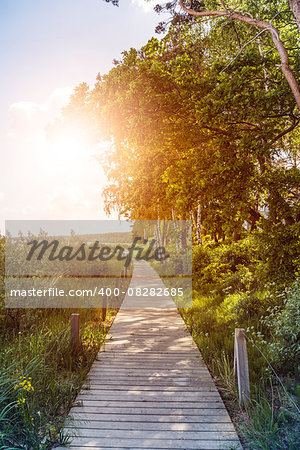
column 149, row 388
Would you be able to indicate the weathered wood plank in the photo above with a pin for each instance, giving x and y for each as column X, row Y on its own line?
column 206, row 383
column 216, row 417
column 212, row 402
column 157, row 396
column 148, row 376
column 153, row 426
column 154, row 364
column 154, row 411
column 148, row 372
column 133, row 388
column 154, row 434
column 155, row 443
column 114, row 358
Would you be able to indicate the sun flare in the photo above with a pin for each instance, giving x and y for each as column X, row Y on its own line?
column 69, row 150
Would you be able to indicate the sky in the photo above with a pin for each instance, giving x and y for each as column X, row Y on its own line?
column 47, row 48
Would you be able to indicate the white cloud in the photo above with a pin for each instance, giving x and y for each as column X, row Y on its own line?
column 29, row 116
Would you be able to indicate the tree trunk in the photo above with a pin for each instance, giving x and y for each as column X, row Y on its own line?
column 295, row 7
column 183, row 235
column 199, row 224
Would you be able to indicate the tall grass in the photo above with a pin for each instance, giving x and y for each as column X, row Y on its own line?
column 270, row 420
column 40, row 375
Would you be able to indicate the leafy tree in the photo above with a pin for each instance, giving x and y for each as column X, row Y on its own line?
column 203, row 127
column 261, row 16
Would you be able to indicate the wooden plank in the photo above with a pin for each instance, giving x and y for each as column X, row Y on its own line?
column 178, row 360
column 153, row 384
column 152, row 426
column 206, row 385
column 154, row 443
column 152, row 381
column 155, row 379
column 146, row 434
column 115, row 357
column 212, row 402
column 142, row 381
column 151, row 366
column 151, row 363
column 132, row 388
column 154, row 411
column 159, row 396
column 216, row 417
column 148, row 372
column 139, row 351
column 138, row 374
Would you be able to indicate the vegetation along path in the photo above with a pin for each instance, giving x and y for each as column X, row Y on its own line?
column 149, row 387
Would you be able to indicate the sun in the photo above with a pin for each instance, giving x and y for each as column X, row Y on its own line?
column 68, row 151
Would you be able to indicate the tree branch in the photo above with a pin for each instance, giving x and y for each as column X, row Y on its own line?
column 284, row 58
column 287, row 130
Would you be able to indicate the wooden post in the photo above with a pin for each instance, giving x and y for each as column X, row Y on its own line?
column 74, row 330
column 241, row 369
column 104, row 307
column 125, row 272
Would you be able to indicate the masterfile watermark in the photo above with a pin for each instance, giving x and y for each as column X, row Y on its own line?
column 54, row 251
column 83, row 264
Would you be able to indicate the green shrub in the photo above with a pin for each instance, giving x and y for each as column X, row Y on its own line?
column 279, row 249
column 283, row 323
column 225, row 267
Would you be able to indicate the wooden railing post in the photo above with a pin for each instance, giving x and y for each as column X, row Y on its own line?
column 241, row 369
column 104, row 307
column 74, row 330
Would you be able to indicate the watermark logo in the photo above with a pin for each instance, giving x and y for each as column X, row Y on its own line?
column 83, row 264
column 53, row 250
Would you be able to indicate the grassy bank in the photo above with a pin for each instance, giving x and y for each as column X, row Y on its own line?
column 40, row 373
column 234, row 288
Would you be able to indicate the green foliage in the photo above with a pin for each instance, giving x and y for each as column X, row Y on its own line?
column 283, row 323
column 230, row 292
column 226, row 268
column 279, row 248
column 191, row 107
